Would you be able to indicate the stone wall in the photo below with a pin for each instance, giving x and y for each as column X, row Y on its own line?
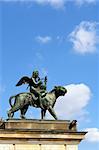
column 39, row 135
column 37, row 147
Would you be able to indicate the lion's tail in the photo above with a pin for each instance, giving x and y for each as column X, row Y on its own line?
column 10, row 100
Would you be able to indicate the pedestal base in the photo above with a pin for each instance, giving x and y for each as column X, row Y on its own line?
column 39, row 135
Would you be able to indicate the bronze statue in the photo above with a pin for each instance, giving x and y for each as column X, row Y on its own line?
column 36, row 97
column 36, row 85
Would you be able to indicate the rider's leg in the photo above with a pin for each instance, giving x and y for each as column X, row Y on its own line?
column 38, row 95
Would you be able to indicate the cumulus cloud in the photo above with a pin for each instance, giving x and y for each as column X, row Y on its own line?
column 73, row 104
column 92, row 135
column 43, row 39
column 85, row 37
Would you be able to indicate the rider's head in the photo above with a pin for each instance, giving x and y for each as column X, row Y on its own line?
column 35, row 74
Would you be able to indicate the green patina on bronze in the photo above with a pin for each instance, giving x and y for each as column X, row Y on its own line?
column 37, row 96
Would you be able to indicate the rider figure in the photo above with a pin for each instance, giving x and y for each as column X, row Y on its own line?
column 37, row 87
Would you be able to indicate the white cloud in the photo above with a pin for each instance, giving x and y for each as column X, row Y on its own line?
column 73, row 104
column 43, row 39
column 92, row 135
column 55, row 3
column 80, row 2
column 85, row 37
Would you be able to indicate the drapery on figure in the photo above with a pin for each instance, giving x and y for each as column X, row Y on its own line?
column 37, row 87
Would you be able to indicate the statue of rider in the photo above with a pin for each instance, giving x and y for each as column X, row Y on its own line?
column 37, row 87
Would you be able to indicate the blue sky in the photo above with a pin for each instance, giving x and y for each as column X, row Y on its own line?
column 61, row 39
